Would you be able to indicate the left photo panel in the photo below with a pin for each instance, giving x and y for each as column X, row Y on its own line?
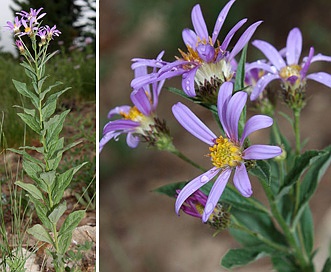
column 48, row 83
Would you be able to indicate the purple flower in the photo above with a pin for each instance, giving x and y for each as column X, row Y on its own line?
column 29, row 28
column 14, row 27
column 206, row 61
column 33, row 15
column 51, row 32
column 227, row 153
column 136, row 120
column 284, row 65
column 20, row 46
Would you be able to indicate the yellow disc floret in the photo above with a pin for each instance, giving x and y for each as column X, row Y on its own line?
column 291, row 70
column 225, row 153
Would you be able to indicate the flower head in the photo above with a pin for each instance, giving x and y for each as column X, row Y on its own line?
column 16, row 26
column 195, row 204
column 227, row 152
column 207, row 62
column 139, row 119
column 33, row 15
column 285, row 65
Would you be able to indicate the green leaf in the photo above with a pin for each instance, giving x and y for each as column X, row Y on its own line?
column 283, row 264
column 64, row 242
column 307, row 226
column 50, row 104
column 48, row 177
column 54, row 126
column 42, row 212
column 327, row 265
column 301, row 163
column 39, row 232
column 62, row 182
column 262, row 171
column 33, row 169
column 23, row 90
column 31, row 121
column 44, row 93
column 57, row 212
column 240, row 73
column 31, row 189
column 71, row 222
column 242, row 256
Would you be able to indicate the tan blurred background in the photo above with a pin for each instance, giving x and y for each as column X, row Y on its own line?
column 139, row 230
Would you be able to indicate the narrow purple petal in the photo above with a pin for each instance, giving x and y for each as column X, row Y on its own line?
column 231, row 33
column 320, row 57
column 188, row 82
column 105, row 139
column 190, row 38
column 233, row 112
column 243, row 40
column 255, row 123
column 141, row 101
column 138, row 62
column 215, row 193
column 261, row 84
column 141, row 81
column 271, row 53
column 224, row 96
column 259, row 65
column 321, row 77
column 261, row 152
column 241, row 181
column 132, row 140
column 194, row 185
column 118, row 110
column 193, row 124
column 120, row 125
column 157, row 87
column 307, row 63
column 199, row 23
column 293, row 46
column 142, row 71
column 220, row 20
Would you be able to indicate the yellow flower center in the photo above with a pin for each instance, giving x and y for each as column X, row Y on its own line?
column 291, row 70
column 225, row 153
column 135, row 115
column 27, row 30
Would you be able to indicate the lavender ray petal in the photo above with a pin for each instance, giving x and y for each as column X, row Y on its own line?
column 132, row 140
column 141, row 81
column 255, row 123
column 220, row 20
column 142, row 71
column 199, row 24
column 243, row 40
column 271, row 53
column 261, row 84
column 120, row 125
column 231, row 33
column 259, row 65
column 189, row 37
column 241, row 181
column 118, row 110
column 206, row 52
column 293, row 46
column 320, row 57
column 188, row 82
column 194, row 185
column 105, row 139
column 141, row 101
column 224, row 96
column 215, row 193
column 157, row 87
column 321, row 77
column 193, row 124
column 261, row 152
column 307, row 63
column 233, row 112
column 138, row 62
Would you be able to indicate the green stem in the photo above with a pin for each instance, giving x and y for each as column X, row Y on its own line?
column 180, row 155
column 278, row 247
column 297, row 131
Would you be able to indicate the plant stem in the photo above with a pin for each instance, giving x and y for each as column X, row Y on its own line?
column 296, row 113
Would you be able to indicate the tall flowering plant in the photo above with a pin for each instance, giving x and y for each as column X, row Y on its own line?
column 222, row 196
column 47, row 188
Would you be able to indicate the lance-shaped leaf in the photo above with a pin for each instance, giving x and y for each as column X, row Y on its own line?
column 39, row 232
column 50, row 104
column 31, row 121
column 23, row 90
column 57, row 212
column 31, row 189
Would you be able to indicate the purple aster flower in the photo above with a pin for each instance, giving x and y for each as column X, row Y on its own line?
column 207, row 62
column 29, row 28
column 20, row 46
column 138, row 119
column 33, row 15
column 227, row 153
column 284, row 65
column 51, row 32
column 15, row 27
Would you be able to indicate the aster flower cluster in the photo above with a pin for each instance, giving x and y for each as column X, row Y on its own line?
column 221, row 195
column 29, row 24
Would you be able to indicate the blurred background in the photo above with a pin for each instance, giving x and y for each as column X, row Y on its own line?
column 139, row 230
